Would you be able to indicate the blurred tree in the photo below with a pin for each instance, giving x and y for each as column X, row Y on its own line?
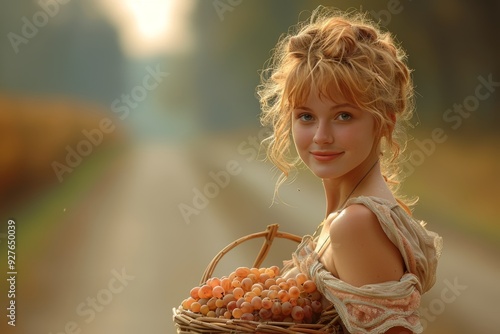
column 76, row 53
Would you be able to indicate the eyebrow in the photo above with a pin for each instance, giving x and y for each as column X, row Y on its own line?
column 337, row 106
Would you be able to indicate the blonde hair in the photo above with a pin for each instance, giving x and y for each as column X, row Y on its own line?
column 337, row 52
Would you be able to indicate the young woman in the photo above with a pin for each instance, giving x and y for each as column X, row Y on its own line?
column 340, row 89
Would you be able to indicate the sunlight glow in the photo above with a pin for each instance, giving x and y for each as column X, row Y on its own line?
column 151, row 18
column 151, row 27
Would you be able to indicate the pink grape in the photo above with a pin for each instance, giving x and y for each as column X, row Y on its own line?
column 267, row 303
column 249, row 296
column 225, row 283
column 309, row 286
column 212, row 303
column 294, row 292
column 205, row 291
column 263, row 278
column 297, row 313
column 276, row 308
column 276, row 270
column 194, row 292
column 218, row 291
column 301, row 278
column 256, row 303
column 186, row 303
column 239, row 302
column 273, row 294
column 228, row 298
column 316, row 306
column 237, row 313
column 238, row 293
column 315, row 295
column 231, row 305
column 242, row 272
column 246, row 307
column 307, row 313
column 286, row 308
column 269, row 282
column 195, row 307
column 291, row 282
column 270, row 272
column 283, row 295
column 280, row 280
column 255, row 271
column 265, row 313
column 204, row 309
column 213, row 282
column 220, row 311
column 257, row 289
column 283, row 285
column 246, row 284
column 252, row 277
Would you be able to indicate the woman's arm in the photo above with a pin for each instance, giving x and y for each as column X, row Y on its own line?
column 362, row 252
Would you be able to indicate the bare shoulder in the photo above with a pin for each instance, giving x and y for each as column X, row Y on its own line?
column 362, row 252
column 354, row 218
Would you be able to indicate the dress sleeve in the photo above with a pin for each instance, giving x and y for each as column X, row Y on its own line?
column 371, row 308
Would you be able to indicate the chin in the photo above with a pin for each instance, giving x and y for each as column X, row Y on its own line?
column 323, row 173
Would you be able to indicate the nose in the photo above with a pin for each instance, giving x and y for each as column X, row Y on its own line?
column 323, row 134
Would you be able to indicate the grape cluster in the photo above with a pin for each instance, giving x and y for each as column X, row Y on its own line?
column 257, row 294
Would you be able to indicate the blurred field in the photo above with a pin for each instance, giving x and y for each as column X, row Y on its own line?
column 458, row 183
column 35, row 132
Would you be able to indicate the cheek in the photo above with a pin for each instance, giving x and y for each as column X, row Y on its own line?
column 301, row 137
column 355, row 138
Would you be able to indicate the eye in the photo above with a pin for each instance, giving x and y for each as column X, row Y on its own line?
column 343, row 116
column 305, row 117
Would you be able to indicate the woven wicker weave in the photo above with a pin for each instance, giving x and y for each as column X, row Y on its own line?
column 188, row 322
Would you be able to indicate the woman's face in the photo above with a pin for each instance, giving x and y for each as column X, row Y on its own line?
column 332, row 137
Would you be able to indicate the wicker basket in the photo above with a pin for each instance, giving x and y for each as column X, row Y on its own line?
column 188, row 322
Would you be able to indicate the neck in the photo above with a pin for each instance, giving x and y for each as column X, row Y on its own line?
column 339, row 190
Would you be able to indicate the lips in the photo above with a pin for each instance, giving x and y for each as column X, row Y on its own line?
column 325, row 155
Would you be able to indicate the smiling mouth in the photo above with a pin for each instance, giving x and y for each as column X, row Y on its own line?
column 326, row 156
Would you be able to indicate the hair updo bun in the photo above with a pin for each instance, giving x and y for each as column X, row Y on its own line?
column 337, row 53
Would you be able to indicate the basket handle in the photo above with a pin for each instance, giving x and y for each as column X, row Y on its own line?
column 270, row 234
